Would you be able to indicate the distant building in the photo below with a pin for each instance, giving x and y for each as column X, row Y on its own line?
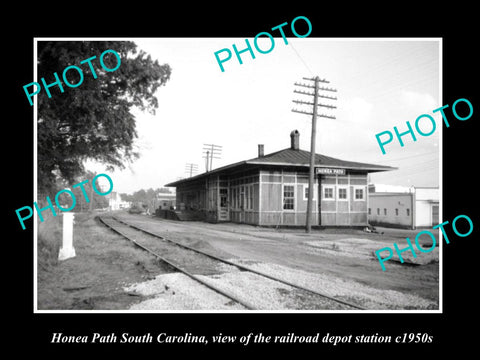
column 406, row 207
column 272, row 190
column 163, row 201
column 115, row 201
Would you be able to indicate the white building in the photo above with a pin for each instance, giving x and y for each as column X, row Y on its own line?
column 115, row 202
column 407, row 207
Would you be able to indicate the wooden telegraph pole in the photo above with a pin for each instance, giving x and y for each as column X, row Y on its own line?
column 191, row 168
column 211, row 151
column 316, row 95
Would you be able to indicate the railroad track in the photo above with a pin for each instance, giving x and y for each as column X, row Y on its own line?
column 195, row 262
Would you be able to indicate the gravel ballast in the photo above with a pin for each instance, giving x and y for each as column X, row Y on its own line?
column 179, row 292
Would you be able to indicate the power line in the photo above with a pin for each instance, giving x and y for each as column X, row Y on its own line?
column 414, row 174
column 415, row 170
column 411, row 156
column 301, row 59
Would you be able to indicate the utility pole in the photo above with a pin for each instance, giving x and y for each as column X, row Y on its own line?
column 211, row 151
column 191, row 168
column 316, row 95
column 207, row 157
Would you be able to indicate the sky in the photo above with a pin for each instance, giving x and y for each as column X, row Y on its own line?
column 380, row 83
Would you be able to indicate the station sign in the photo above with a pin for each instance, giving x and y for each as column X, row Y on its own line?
column 330, row 171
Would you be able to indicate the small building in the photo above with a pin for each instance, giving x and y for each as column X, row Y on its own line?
column 407, row 207
column 162, row 201
column 272, row 190
column 115, row 201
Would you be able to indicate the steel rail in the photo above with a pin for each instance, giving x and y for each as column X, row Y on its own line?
column 176, row 267
column 242, row 267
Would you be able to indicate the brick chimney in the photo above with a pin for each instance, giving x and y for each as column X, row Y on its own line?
column 261, row 152
column 295, row 140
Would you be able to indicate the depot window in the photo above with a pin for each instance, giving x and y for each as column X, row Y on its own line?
column 249, row 197
column 234, row 198
column 359, row 194
column 328, row 192
column 288, row 197
column 342, row 193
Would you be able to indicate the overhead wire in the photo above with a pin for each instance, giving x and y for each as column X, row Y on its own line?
column 301, row 59
column 409, row 157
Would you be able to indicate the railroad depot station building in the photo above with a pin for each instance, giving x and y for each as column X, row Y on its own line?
column 272, row 190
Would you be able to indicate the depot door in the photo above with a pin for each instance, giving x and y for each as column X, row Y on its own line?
column 223, row 213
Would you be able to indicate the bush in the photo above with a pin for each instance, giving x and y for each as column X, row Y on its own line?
column 136, row 209
column 49, row 239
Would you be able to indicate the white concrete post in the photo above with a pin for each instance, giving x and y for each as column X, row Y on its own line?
column 66, row 250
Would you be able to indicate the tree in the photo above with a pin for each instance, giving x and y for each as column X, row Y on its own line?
column 144, row 196
column 93, row 120
column 96, row 201
column 126, row 197
column 163, row 190
column 65, row 200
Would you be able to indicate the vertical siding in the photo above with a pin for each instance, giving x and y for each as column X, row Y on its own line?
column 244, row 193
column 271, row 199
column 344, row 212
column 266, row 198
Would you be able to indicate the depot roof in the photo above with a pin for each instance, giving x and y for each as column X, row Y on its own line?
column 290, row 158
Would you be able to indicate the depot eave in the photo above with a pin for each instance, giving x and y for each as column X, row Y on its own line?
column 289, row 158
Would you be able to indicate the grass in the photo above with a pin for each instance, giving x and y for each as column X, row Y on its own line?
column 95, row 277
column 49, row 239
